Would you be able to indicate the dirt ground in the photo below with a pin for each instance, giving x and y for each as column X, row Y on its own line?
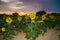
column 51, row 34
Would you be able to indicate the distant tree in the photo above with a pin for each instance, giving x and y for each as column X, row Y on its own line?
column 2, row 14
column 15, row 13
column 58, row 13
column 39, row 13
column 54, row 13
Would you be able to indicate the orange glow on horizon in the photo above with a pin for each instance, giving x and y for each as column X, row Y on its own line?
column 19, row 13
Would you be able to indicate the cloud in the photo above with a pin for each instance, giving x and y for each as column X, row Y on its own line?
column 14, row 5
column 9, row 5
column 3, row 6
column 7, row 1
column 29, row 5
column 18, row 6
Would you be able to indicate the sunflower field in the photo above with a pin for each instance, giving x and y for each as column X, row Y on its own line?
column 32, row 25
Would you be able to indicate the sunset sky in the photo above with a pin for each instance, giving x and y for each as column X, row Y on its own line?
column 29, row 5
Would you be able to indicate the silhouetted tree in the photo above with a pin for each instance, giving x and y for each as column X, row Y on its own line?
column 39, row 13
column 54, row 14
column 1, row 15
column 15, row 13
column 58, row 13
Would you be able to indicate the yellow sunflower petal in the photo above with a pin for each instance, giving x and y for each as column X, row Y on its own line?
column 26, row 17
column 9, row 20
column 32, row 16
column 40, row 21
column 43, row 17
column 52, row 17
column 3, row 29
column 19, row 18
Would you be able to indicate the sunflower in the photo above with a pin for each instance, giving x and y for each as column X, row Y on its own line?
column 26, row 17
column 40, row 21
column 32, row 16
column 19, row 18
column 43, row 17
column 52, row 17
column 9, row 20
column 3, row 29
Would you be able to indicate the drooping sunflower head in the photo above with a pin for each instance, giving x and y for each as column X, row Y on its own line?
column 43, row 17
column 9, row 20
column 19, row 18
column 3, row 29
column 32, row 16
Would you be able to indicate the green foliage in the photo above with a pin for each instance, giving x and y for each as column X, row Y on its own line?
column 32, row 28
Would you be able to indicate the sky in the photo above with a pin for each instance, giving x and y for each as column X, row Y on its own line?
column 29, row 5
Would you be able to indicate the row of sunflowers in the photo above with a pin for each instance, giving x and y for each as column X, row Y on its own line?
column 32, row 25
